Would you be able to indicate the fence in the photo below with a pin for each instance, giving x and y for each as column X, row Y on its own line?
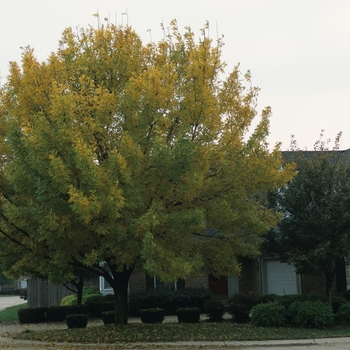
column 42, row 293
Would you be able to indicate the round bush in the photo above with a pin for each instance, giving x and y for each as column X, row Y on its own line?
column 343, row 314
column 91, row 298
column 269, row 314
column 69, row 300
column 311, row 314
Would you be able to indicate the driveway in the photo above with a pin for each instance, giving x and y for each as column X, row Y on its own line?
column 6, row 301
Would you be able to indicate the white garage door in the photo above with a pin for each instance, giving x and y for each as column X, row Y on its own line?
column 279, row 278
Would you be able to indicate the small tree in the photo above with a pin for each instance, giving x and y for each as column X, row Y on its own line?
column 314, row 234
column 80, row 276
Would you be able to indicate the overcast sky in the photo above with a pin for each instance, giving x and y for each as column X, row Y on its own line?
column 298, row 51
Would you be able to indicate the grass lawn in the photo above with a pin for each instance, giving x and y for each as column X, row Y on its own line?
column 10, row 313
column 169, row 332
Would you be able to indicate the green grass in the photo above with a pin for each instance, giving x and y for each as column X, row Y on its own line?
column 10, row 313
column 170, row 332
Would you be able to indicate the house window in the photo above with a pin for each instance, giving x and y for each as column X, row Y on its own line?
column 158, row 284
column 105, row 287
column 153, row 282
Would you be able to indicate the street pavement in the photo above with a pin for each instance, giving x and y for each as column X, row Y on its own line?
column 316, row 344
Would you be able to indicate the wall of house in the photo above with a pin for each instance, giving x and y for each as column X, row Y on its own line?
column 137, row 282
column 249, row 279
column 197, row 282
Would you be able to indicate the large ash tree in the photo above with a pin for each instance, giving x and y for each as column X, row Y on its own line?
column 314, row 234
column 117, row 154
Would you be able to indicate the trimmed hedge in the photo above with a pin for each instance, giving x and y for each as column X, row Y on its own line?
column 155, row 315
column 97, row 309
column 50, row 314
column 32, row 315
column 170, row 301
column 56, row 313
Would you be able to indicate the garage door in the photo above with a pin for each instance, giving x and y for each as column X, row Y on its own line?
column 279, row 278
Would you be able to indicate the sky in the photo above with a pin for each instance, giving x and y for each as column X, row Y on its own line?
column 298, row 51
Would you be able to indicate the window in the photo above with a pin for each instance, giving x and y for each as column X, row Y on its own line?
column 158, row 284
column 153, row 282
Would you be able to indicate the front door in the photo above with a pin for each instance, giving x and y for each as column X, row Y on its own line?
column 218, row 286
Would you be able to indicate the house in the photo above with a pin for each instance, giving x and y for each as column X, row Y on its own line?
column 264, row 275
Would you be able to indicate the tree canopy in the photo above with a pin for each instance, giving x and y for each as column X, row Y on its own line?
column 117, row 154
column 314, row 234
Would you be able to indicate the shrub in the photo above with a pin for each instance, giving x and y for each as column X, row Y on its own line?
column 240, row 306
column 271, row 314
column 69, row 300
column 170, row 301
column 90, row 294
column 76, row 321
column 97, row 309
column 337, row 302
column 288, row 300
column 108, row 317
column 32, row 315
column 10, row 291
column 343, row 315
column 56, row 313
column 77, row 309
column 311, row 314
column 214, row 309
column 191, row 297
column 153, row 298
column 91, row 290
column 264, row 298
column 155, row 315
column 188, row 315
column 91, row 298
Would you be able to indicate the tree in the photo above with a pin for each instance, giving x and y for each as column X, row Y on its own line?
column 314, row 234
column 119, row 154
column 4, row 280
column 76, row 284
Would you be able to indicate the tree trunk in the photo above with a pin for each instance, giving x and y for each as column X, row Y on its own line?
column 120, row 287
column 329, row 284
column 121, row 303
column 80, row 286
